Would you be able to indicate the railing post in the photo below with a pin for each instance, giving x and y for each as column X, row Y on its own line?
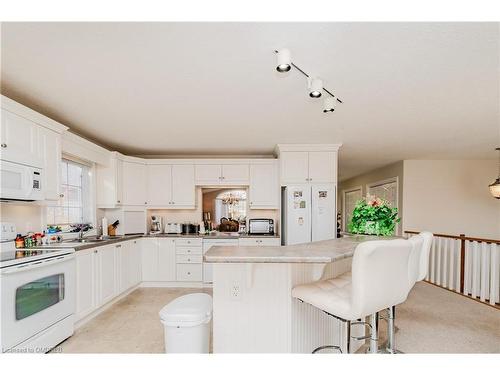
column 462, row 263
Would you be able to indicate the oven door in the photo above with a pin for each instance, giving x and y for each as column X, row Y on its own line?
column 35, row 296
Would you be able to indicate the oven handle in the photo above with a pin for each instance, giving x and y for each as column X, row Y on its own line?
column 34, row 265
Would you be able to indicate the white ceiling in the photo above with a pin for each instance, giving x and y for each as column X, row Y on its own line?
column 410, row 90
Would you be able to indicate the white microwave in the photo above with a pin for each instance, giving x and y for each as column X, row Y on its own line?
column 20, row 182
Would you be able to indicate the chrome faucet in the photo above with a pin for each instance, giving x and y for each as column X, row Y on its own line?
column 83, row 227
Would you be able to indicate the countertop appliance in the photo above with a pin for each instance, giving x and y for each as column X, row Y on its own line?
column 156, row 225
column 261, row 226
column 20, row 182
column 308, row 214
column 38, row 298
column 173, row 228
column 190, row 228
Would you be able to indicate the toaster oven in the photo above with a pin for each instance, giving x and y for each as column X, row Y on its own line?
column 261, row 226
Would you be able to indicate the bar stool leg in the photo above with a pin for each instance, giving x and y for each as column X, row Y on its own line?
column 391, row 330
column 348, row 337
column 374, row 334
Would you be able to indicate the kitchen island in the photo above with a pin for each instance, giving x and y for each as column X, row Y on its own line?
column 253, row 309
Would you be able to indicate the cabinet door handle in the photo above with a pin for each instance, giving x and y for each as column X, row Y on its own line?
column 173, row 202
column 145, row 202
column 189, row 273
column 189, row 259
column 118, row 201
column 118, row 246
column 61, row 195
column 4, row 145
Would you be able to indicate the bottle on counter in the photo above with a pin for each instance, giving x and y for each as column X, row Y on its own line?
column 19, row 241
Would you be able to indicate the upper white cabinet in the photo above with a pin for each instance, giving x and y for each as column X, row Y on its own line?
column 19, row 140
column 222, row 174
column 108, row 183
column 301, row 164
column 322, row 167
column 133, row 183
column 208, row 174
column 264, row 187
column 171, row 186
column 183, row 187
column 159, row 185
column 50, row 146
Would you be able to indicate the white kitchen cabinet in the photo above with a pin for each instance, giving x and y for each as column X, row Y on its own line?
column 171, row 186
column 106, row 274
column 208, row 174
column 159, row 185
column 301, row 164
column 108, row 184
column 222, row 174
column 264, row 187
column 183, row 187
column 123, row 266
column 135, row 262
column 235, row 174
column 322, row 167
column 149, row 259
column 133, row 183
column 19, row 140
column 256, row 241
column 294, row 167
column 50, row 146
column 86, row 283
column 166, row 259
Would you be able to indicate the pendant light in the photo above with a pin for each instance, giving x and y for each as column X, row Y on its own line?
column 329, row 104
column 284, row 60
column 495, row 186
column 315, row 87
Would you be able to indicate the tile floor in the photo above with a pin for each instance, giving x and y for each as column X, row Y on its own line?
column 432, row 320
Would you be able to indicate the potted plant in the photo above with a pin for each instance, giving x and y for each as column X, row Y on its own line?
column 373, row 216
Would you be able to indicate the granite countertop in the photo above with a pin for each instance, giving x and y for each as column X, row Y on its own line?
column 71, row 244
column 313, row 252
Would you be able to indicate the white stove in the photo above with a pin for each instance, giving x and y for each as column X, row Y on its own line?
column 38, row 298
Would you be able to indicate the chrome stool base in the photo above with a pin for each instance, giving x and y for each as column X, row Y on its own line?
column 318, row 349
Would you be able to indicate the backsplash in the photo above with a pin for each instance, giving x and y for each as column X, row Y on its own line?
column 27, row 217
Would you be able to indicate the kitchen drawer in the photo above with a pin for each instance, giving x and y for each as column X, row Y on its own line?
column 189, row 258
column 188, row 250
column 188, row 242
column 189, row 272
column 260, row 242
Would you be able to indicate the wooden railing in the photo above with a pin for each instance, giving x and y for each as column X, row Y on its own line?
column 466, row 265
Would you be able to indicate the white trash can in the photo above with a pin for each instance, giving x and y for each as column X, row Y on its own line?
column 186, row 321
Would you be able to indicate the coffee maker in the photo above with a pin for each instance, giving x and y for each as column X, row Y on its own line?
column 156, row 225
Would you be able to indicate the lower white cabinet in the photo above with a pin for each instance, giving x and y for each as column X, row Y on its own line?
column 103, row 272
column 189, row 272
column 106, row 274
column 256, row 241
column 158, row 259
column 86, row 283
column 166, row 259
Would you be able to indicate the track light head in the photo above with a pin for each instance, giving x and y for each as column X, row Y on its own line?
column 328, row 104
column 315, row 87
column 284, row 60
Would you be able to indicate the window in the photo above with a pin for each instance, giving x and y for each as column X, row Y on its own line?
column 351, row 197
column 386, row 190
column 74, row 202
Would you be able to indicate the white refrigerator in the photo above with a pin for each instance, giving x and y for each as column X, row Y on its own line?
column 308, row 213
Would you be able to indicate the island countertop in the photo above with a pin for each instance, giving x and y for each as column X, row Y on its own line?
column 313, row 252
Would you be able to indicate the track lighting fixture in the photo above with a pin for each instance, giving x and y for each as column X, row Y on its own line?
column 328, row 104
column 284, row 60
column 314, row 85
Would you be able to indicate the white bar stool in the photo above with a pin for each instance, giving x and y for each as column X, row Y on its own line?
column 418, row 266
column 378, row 280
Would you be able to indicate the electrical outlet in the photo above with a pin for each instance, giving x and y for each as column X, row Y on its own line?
column 235, row 292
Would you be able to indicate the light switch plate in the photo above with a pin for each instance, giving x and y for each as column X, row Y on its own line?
column 7, row 231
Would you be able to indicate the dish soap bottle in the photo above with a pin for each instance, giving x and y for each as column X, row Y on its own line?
column 19, row 241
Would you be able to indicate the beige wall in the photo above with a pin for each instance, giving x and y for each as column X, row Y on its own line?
column 380, row 174
column 451, row 197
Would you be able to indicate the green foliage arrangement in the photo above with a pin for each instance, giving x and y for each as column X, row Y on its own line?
column 373, row 216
